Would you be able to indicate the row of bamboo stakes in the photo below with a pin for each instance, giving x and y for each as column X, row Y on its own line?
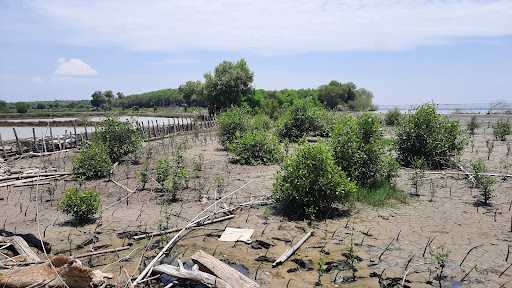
column 153, row 129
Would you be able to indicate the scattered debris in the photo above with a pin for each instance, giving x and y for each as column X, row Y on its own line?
column 236, row 234
column 292, row 250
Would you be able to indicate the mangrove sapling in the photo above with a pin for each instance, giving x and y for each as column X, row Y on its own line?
column 509, row 148
column 144, row 174
column 490, row 148
column 502, row 129
column 439, row 259
column 483, row 182
column 473, row 125
column 417, row 176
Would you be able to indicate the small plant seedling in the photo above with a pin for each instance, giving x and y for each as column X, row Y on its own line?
column 502, row 129
column 418, row 174
column 439, row 258
column 483, row 182
column 473, row 125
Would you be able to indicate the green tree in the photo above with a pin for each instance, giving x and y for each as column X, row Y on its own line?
column 4, row 107
column 362, row 101
column 191, row 91
column 109, row 97
column 82, row 204
column 120, row 138
column 336, row 93
column 98, row 99
column 22, row 107
column 228, row 84
column 120, row 95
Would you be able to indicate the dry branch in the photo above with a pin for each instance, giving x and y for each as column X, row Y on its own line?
column 193, row 275
column 292, row 250
column 138, row 237
column 21, row 247
column 101, row 252
column 222, row 270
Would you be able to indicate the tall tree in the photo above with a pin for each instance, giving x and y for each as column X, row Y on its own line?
column 98, row 99
column 228, row 84
column 109, row 97
column 191, row 91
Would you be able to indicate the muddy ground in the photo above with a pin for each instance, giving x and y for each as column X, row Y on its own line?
column 384, row 241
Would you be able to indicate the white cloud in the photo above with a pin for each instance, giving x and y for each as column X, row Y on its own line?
column 74, row 67
column 271, row 26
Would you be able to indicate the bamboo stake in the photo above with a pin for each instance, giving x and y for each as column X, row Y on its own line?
column 292, row 250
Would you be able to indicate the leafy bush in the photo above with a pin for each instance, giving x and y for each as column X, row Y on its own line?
column 309, row 182
column 22, row 107
column 163, row 171
column 120, row 138
column 502, row 128
column 473, row 125
column 92, row 162
column 172, row 175
column 82, row 204
column 483, row 182
column 298, row 121
column 360, row 151
column 427, row 134
column 379, row 195
column 257, row 147
column 231, row 123
column 392, row 117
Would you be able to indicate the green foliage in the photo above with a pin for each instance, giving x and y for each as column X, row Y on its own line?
column 473, row 125
column 228, row 84
column 427, row 134
column 256, row 147
column 192, row 92
column 162, row 98
column 92, row 162
column 231, row 123
column 144, row 174
column 360, row 151
column 392, row 117
column 336, row 93
column 22, row 107
column 163, row 171
column 98, row 99
column 300, row 120
column 120, row 138
column 82, row 204
column 363, row 101
column 502, row 128
column 4, row 107
column 309, row 182
column 483, row 182
column 379, row 195
column 418, row 174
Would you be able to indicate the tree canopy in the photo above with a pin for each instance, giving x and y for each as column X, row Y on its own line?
column 229, row 84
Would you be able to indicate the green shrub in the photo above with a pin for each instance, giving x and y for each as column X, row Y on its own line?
column 483, row 182
column 502, row 128
column 298, row 121
column 427, row 134
column 120, row 138
column 392, row 117
column 82, row 204
column 92, row 162
column 360, row 150
column 379, row 195
column 163, row 171
column 22, row 107
column 231, row 123
column 309, row 182
column 256, row 147
column 473, row 124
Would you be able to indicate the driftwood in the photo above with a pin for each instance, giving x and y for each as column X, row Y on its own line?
column 70, row 271
column 222, row 270
column 197, row 219
column 192, row 275
column 292, row 250
column 21, row 247
column 17, row 182
column 138, row 237
column 31, row 240
column 32, row 175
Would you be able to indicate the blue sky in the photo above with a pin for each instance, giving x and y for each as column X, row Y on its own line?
column 406, row 52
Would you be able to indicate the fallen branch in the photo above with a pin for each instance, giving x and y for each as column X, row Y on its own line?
column 101, row 252
column 33, row 175
column 292, row 250
column 21, row 247
column 10, row 183
column 138, row 237
column 193, row 275
column 222, row 270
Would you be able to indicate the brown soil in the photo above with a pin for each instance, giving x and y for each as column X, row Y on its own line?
column 444, row 213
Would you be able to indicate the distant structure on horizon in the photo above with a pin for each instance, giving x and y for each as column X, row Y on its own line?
column 494, row 107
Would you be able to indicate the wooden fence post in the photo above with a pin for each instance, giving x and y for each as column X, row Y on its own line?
column 18, row 146
column 3, row 147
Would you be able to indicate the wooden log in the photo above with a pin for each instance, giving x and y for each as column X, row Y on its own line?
column 199, row 224
column 76, row 136
column 21, row 247
column 292, row 250
column 24, row 176
column 28, row 180
column 18, row 146
column 222, row 270
column 101, row 252
column 192, row 275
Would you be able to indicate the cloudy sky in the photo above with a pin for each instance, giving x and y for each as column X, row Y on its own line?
column 406, row 52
